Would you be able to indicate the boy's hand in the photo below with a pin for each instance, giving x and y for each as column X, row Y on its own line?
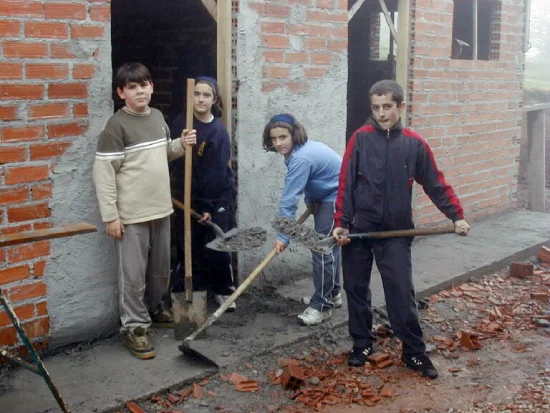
column 205, row 217
column 115, row 228
column 461, row 227
column 279, row 245
column 189, row 137
column 339, row 234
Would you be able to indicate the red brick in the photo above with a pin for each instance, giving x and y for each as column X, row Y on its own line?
column 12, row 8
column 47, row 71
column 83, row 71
column 25, row 292
column 275, row 42
column 80, row 110
column 326, row 17
column 41, row 191
column 67, row 129
column 19, row 91
column 61, row 51
column 274, row 56
column 85, row 31
column 297, row 87
column 42, row 307
column 23, row 133
column 23, row 312
column 12, row 274
column 337, row 45
column 37, row 328
column 273, row 27
column 8, row 336
column 313, row 43
column 48, row 150
column 42, row 225
column 340, row 32
column 25, row 50
column 9, row 28
column 18, row 175
column 321, row 58
column 299, row 57
column 100, row 13
column 325, row 4
column 2, row 251
column 275, row 72
column 520, row 269
column 13, row 195
column 15, row 229
column 8, row 113
column 314, row 72
column 38, row 271
column 271, row 10
column 48, row 111
column 10, row 155
column 64, row 11
column 68, row 91
column 29, row 213
column 269, row 86
column 48, row 30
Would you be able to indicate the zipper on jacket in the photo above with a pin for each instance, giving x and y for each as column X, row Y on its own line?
column 385, row 178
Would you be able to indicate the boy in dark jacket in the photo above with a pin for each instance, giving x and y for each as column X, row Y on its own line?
column 381, row 162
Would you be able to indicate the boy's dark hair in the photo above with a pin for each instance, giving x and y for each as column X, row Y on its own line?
column 217, row 107
column 289, row 122
column 132, row 72
column 383, row 87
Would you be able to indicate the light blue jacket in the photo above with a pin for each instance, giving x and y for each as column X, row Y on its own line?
column 313, row 170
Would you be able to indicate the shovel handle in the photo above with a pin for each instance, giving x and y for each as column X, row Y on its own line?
column 404, row 233
column 187, row 194
column 217, row 230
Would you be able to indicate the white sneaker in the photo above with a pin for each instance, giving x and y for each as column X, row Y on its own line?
column 336, row 300
column 220, row 299
column 311, row 316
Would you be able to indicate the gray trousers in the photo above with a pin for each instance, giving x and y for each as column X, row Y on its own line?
column 326, row 268
column 143, row 261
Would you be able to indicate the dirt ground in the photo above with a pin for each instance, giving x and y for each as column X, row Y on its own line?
column 489, row 339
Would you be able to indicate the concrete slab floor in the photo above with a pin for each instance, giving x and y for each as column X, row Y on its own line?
column 102, row 376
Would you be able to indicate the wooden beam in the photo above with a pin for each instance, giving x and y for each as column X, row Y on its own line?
column 355, row 8
column 43, row 234
column 475, row 31
column 211, row 6
column 527, row 26
column 402, row 64
column 224, row 74
column 389, row 20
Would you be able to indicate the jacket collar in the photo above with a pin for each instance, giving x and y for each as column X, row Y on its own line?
column 393, row 132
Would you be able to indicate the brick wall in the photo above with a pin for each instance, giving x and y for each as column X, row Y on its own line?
column 44, row 82
column 469, row 111
column 295, row 53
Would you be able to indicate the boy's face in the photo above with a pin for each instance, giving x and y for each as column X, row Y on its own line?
column 137, row 95
column 281, row 140
column 203, row 99
column 385, row 111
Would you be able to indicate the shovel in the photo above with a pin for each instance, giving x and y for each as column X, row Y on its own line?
column 329, row 242
column 233, row 240
column 189, row 308
column 186, row 346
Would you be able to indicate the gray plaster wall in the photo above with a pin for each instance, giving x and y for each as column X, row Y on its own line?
column 322, row 110
column 80, row 276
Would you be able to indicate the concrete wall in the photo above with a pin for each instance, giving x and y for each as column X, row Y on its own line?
column 291, row 58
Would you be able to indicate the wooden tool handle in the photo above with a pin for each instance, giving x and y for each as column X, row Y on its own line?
column 48, row 233
column 181, row 206
column 304, row 216
column 405, row 233
column 187, row 194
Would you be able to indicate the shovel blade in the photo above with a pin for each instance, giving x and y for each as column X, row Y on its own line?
column 239, row 240
column 188, row 315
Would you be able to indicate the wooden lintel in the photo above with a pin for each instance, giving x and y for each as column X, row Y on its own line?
column 211, row 6
column 224, row 69
column 44, row 234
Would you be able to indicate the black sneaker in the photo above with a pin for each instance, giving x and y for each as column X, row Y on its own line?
column 421, row 364
column 358, row 356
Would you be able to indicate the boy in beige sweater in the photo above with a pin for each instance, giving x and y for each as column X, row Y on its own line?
column 133, row 190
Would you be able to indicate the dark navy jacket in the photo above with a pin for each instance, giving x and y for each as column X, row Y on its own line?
column 212, row 178
column 376, row 180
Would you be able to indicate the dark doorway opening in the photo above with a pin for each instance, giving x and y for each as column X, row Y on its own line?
column 175, row 39
column 371, row 57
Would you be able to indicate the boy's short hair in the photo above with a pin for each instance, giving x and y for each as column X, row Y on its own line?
column 289, row 122
column 132, row 72
column 384, row 87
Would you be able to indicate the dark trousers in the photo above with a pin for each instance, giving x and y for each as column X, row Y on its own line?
column 393, row 259
column 211, row 269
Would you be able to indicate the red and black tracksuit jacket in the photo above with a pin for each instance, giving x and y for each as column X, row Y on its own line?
column 377, row 175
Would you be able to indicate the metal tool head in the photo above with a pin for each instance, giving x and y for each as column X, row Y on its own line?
column 188, row 315
column 300, row 233
column 240, row 240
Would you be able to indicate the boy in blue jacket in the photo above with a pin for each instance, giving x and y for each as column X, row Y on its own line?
column 381, row 162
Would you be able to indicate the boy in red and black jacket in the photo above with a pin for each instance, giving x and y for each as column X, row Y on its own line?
column 381, row 162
